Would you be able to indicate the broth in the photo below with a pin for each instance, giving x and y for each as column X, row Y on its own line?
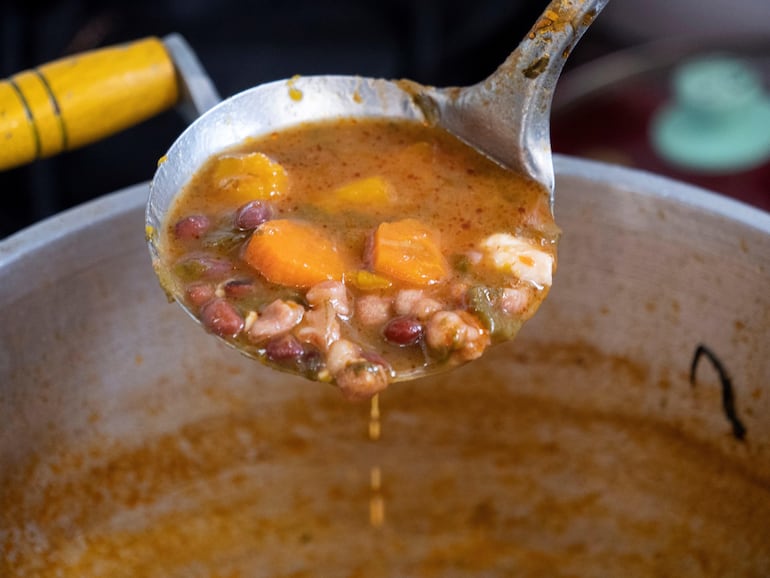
column 359, row 252
column 470, row 477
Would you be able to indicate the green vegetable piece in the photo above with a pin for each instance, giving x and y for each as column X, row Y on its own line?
column 226, row 241
column 484, row 302
column 190, row 270
column 461, row 263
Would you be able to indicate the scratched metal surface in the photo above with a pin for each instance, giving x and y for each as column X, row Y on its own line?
column 132, row 443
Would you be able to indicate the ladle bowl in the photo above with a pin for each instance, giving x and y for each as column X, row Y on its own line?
column 506, row 117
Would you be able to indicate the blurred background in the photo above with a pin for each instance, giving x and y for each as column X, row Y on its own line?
column 615, row 82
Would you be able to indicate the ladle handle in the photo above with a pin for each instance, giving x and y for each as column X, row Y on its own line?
column 532, row 70
column 78, row 100
column 508, row 114
column 539, row 60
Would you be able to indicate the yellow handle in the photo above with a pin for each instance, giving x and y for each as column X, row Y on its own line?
column 75, row 101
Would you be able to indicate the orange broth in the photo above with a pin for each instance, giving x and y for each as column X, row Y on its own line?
column 436, row 250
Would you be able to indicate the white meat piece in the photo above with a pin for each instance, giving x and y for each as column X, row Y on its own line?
column 332, row 292
column 515, row 301
column 457, row 332
column 319, row 327
column 360, row 381
column 277, row 318
column 414, row 302
column 522, row 257
column 341, row 353
column 373, row 309
column 357, row 378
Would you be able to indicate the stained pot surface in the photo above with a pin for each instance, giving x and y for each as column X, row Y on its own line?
column 135, row 444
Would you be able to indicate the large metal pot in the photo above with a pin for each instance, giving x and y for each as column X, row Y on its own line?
column 132, row 443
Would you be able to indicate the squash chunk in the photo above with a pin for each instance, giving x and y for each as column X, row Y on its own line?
column 241, row 178
column 408, row 251
column 295, row 253
column 359, row 194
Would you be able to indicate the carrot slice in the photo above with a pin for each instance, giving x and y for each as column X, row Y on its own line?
column 295, row 253
column 408, row 251
column 241, row 178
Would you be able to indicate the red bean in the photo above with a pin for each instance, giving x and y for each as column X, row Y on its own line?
column 221, row 318
column 192, row 227
column 289, row 352
column 252, row 215
column 284, row 348
column 238, row 288
column 199, row 293
column 405, row 330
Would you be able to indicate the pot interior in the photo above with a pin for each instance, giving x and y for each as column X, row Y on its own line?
column 135, row 444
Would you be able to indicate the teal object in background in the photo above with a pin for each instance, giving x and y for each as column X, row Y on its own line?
column 718, row 120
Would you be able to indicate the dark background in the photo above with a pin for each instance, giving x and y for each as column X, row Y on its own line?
column 242, row 44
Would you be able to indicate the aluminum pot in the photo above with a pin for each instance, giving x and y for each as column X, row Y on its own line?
column 625, row 432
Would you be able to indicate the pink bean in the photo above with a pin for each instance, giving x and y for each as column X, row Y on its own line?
column 198, row 294
column 252, row 215
column 221, row 318
column 238, row 288
column 284, row 348
column 192, row 227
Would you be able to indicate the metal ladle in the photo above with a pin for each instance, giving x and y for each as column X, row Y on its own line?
column 505, row 116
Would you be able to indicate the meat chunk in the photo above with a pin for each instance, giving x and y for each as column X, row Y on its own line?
column 516, row 301
column 456, row 333
column 341, row 353
column 332, row 292
column 357, row 377
column 319, row 327
column 361, row 380
column 276, row 319
column 414, row 302
column 521, row 257
column 373, row 309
